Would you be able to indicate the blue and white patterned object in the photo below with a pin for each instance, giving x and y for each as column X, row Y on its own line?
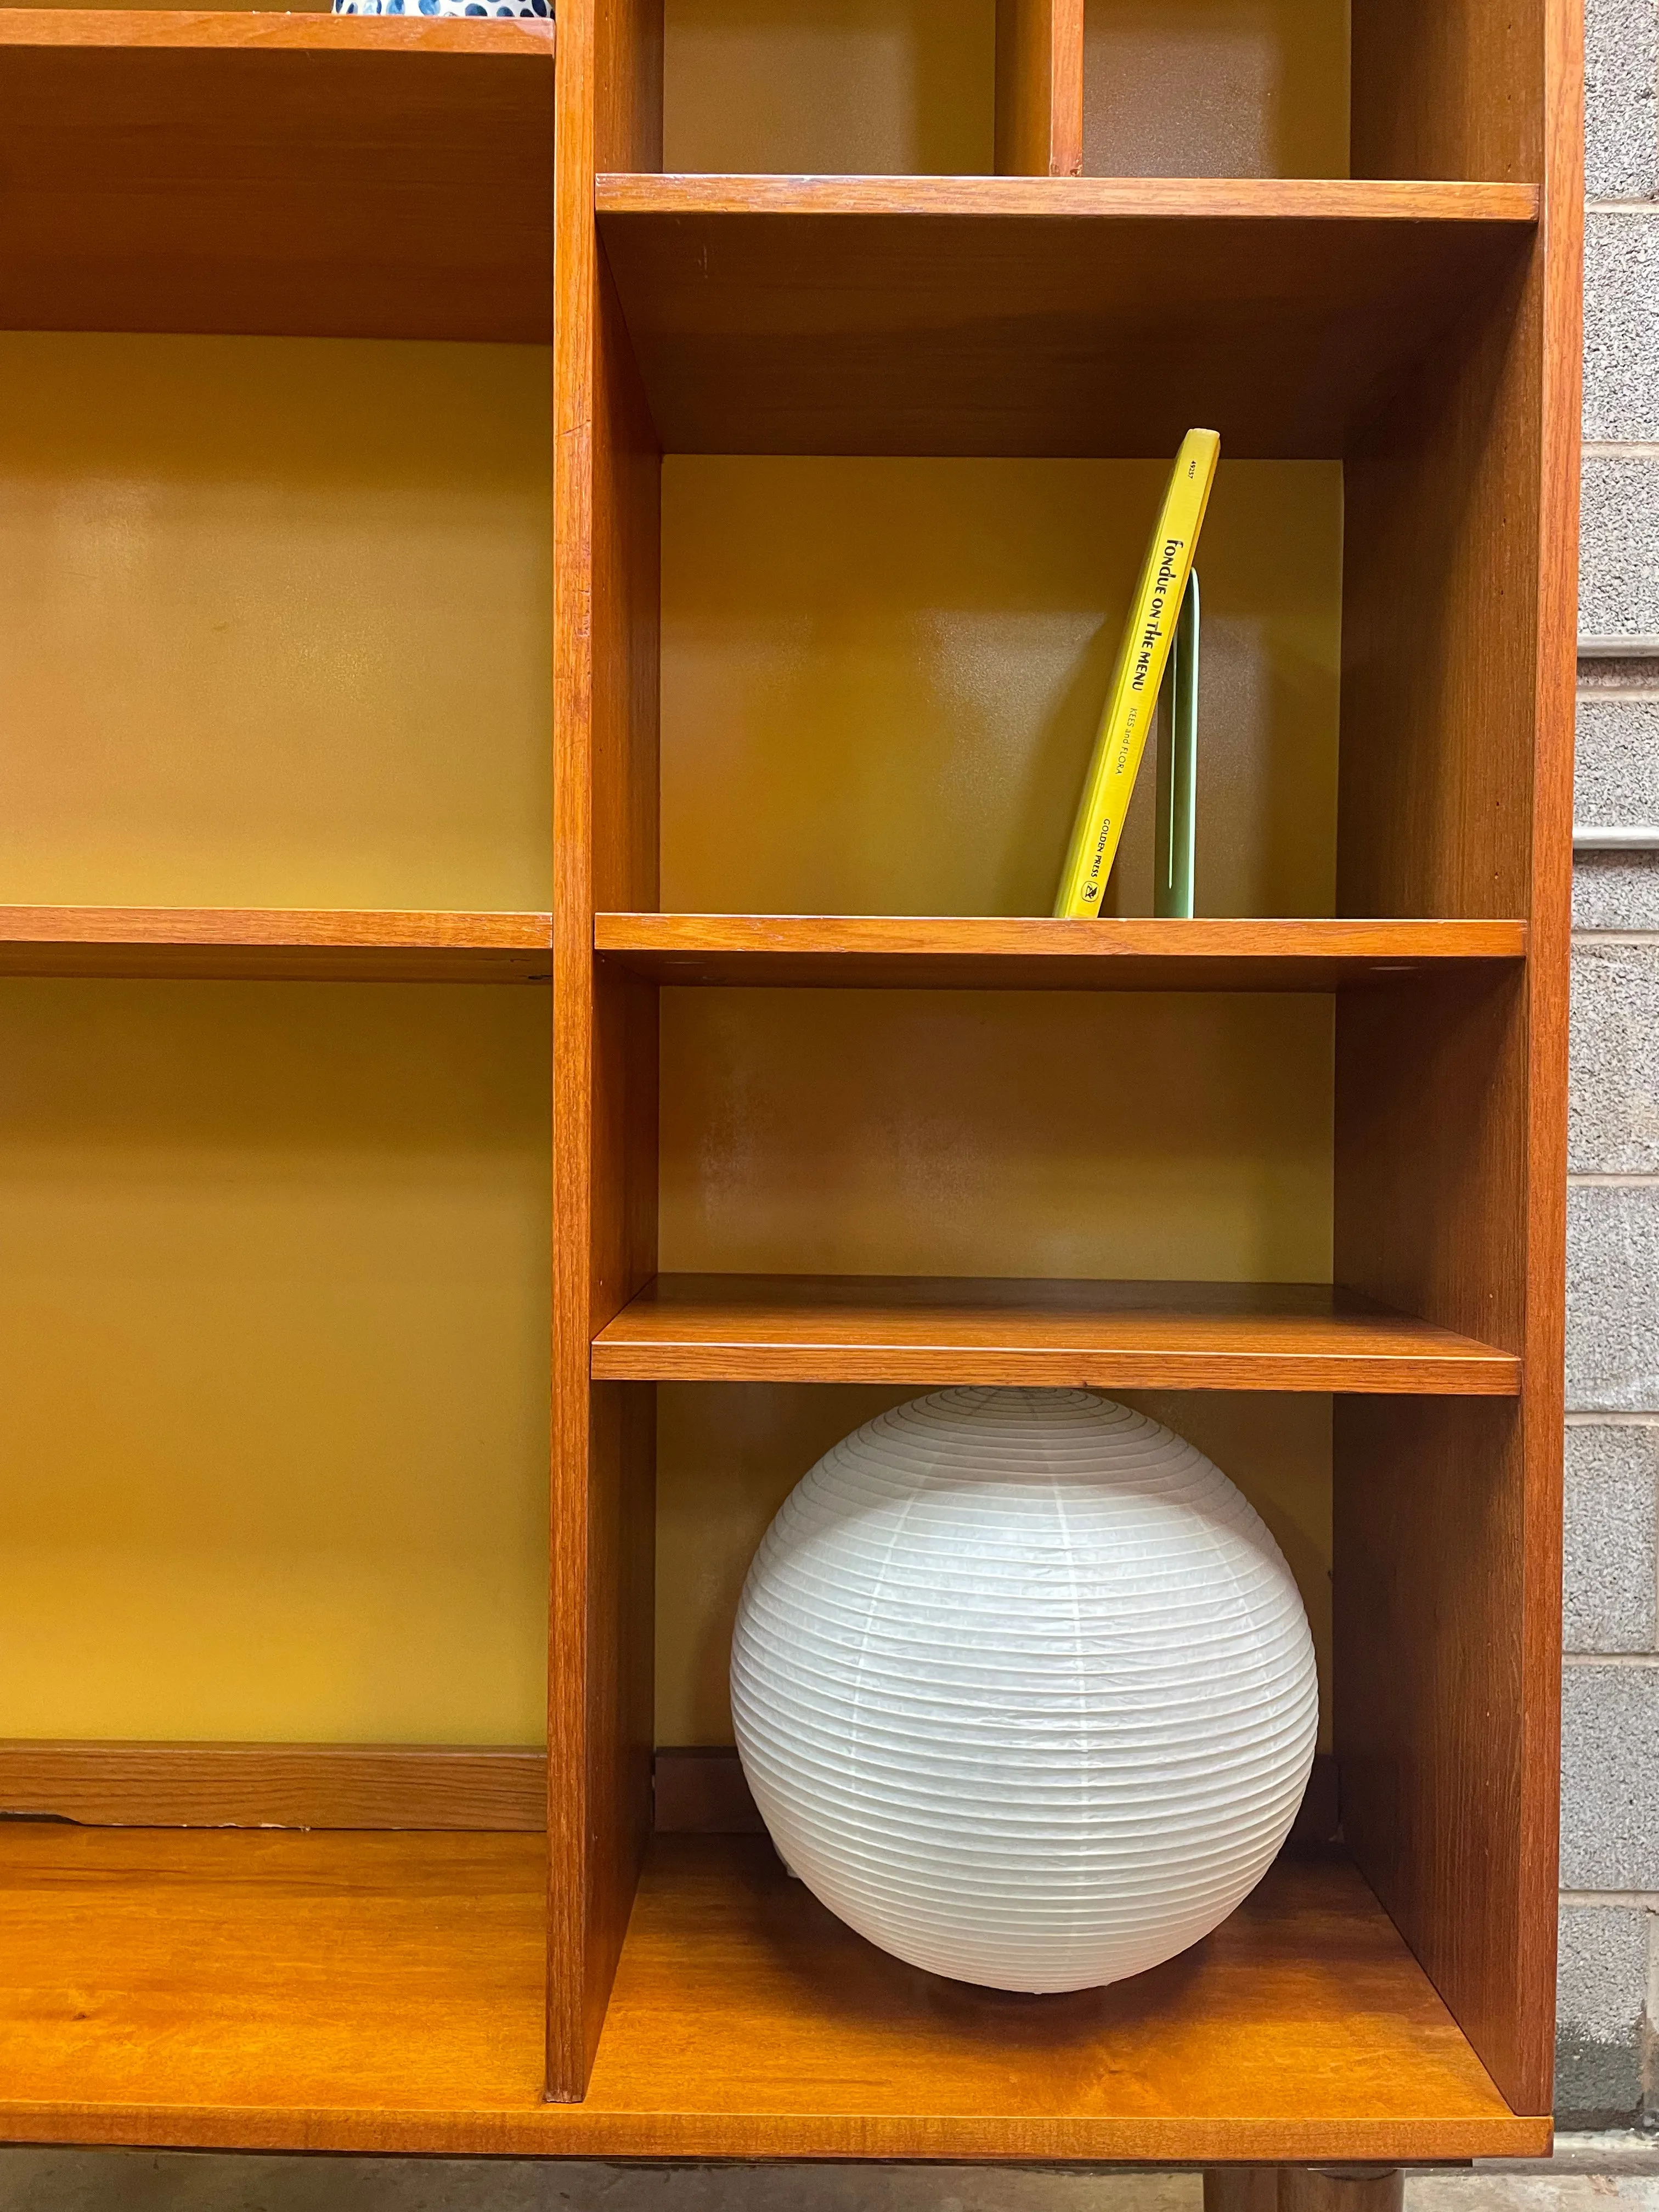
column 542, row 8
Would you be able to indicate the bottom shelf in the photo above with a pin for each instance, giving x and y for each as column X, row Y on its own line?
column 383, row 1992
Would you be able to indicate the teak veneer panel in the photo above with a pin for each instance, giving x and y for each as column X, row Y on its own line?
column 606, row 572
column 1015, row 315
column 300, row 175
column 375, row 1992
column 1031, row 952
column 754, row 2000
column 1460, row 597
column 275, row 945
column 1039, row 88
column 277, row 1785
column 1128, row 1336
column 474, row 1789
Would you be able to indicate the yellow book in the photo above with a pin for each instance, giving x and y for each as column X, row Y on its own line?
column 1136, row 675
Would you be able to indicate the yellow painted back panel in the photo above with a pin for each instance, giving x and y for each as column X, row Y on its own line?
column 890, row 87
column 275, row 623
column 1216, row 89
column 273, row 1339
column 1172, row 88
column 274, row 628
column 882, row 679
column 975, row 1132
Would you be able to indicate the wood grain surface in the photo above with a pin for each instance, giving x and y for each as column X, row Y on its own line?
column 960, row 1329
column 1559, row 275
column 301, row 30
column 1241, row 2189
column 300, row 175
column 1333, row 202
column 277, row 1785
column 1039, row 88
column 606, row 474
column 275, row 944
column 1323, row 2189
column 364, row 1992
column 1451, row 1095
column 1034, row 952
column 1462, row 88
column 1014, row 315
column 569, row 1958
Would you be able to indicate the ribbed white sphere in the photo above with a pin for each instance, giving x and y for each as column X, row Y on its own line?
column 1024, row 1688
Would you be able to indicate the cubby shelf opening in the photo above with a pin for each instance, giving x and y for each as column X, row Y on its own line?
column 1016, row 316
column 289, row 175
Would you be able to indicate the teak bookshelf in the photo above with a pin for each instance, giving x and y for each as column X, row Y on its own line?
column 379, row 1980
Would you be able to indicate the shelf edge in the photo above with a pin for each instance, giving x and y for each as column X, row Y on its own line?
column 275, row 945
column 539, row 2129
column 936, row 1367
column 635, row 194
column 227, row 30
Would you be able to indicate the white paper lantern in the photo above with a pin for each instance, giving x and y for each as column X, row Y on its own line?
column 1024, row 1688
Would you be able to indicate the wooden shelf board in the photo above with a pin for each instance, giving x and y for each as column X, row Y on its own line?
column 275, row 944
column 384, row 1993
column 276, row 1785
column 939, row 1330
column 305, row 30
column 303, row 175
column 1030, row 952
column 1018, row 315
column 1333, row 200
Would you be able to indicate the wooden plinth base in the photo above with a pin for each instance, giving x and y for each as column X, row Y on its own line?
column 1303, row 2189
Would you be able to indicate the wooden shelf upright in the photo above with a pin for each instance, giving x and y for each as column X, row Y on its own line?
column 604, row 1990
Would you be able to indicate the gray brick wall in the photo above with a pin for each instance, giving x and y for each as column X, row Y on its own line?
column 1621, row 367
column 1616, row 771
column 1607, row 2065
column 1612, row 1589
column 1621, row 117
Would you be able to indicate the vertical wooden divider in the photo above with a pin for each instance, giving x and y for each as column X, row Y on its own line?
column 1039, row 88
column 606, row 483
column 1455, row 794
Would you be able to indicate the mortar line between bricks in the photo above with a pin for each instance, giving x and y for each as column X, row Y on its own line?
column 1615, row 936
column 1612, row 1420
column 1643, row 1900
column 1622, row 1659
column 1621, row 449
column 1612, row 1182
column 1626, row 694
column 1621, row 207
